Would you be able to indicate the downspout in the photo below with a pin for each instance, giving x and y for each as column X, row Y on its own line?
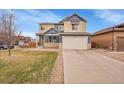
column 113, row 39
column 43, row 40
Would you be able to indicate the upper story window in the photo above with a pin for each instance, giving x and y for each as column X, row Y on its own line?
column 74, row 27
column 42, row 28
column 59, row 27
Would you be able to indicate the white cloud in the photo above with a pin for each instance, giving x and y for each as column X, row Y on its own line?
column 41, row 16
column 31, row 18
column 110, row 16
column 27, row 20
column 34, row 15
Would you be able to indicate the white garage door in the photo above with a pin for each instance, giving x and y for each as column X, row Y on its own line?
column 74, row 42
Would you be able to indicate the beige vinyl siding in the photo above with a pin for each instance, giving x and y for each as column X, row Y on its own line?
column 46, row 27
column 82, row 26
column 67, row 26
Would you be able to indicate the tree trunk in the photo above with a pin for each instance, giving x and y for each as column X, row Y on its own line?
column 9, row 50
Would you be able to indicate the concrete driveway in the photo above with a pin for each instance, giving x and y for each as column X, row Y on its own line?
column 87, row 66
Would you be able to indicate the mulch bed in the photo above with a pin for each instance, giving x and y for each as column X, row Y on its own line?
column 57, row 73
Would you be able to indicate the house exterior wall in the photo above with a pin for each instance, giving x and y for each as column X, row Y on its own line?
column 46, row 27
column 51, row 45
column 107, row 40
column 116, row 35
column 103, row 40
column 82, row 26
column 68, row 26
column 75, row 42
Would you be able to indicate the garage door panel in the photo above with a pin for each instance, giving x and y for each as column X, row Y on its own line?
column 120, row 43
column 74, row 42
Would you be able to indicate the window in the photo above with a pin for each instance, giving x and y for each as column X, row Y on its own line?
column 59, row 27
column 89, row 39
column 74, row 26
column 42, row 28
column 52, row 39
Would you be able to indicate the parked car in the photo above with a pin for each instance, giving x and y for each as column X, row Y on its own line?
column 12, row 46
column 3, row 46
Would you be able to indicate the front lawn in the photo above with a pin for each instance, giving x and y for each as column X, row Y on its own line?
column 26, row 66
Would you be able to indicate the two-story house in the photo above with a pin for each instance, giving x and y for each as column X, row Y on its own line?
column 69, row 33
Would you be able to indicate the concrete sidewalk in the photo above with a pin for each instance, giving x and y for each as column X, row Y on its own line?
column 86, row 66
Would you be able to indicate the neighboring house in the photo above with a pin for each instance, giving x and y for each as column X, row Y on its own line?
column 69, row 33
column 22, row 40
column 110, row 38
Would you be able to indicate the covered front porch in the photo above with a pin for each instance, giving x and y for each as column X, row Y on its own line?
column 49, row 40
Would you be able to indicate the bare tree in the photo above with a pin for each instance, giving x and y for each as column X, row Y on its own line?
column 8, row 29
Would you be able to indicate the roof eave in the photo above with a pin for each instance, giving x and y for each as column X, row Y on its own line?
column 74, row 34
column 39, row 34
column 109, row 30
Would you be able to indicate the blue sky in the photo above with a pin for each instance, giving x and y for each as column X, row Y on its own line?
column 28, row 20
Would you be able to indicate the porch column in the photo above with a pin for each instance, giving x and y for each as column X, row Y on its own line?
column 41, row 41
column 36, row 41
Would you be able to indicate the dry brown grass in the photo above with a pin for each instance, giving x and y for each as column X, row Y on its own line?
column 26, row 66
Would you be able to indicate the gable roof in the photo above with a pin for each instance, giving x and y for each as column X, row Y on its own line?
column 48, row 32
column 115, row 27
column 74, row 17
column 64, row 19
column 47, row 23
column 51, row 31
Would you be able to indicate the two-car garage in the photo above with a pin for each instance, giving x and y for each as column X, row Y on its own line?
column 75, row 40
